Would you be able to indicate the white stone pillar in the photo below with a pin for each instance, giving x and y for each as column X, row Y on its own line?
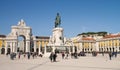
column 35, row 46
column 45, row 49
column 93, row 46
column 80, row 46
column 69, row 49
column 27, row 46
column 6, row 46
column 14, row 47
column 117, row 49
column 11, row 46
column 40, row 49
column 90, row 46
column 77, row 48
column 73, row 49
column 97, row 46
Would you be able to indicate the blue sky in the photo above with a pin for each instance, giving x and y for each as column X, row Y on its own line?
column 77, row 15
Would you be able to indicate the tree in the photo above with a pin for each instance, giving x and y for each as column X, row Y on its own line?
column 102, row 33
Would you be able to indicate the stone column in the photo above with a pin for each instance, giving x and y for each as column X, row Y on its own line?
column 73, row 48
column 93, row 46
column 117, row 49
column 27, row 46
column 35, row 46
column 69, row 48
column 13, row 47
column 77, row 48
column 45, row 49
column 6, row 47
column 40, row 48
column 97, row 46
column 80, row 47
column 16, row 46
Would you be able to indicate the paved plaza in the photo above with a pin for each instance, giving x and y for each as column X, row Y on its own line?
column 82, row 63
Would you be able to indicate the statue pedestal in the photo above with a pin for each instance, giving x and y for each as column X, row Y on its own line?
column 57, row 40
column 57, row 36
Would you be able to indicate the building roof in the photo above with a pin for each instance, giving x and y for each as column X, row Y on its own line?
column 112, row 36
column 3, row 36
column 42, row 37
column 88, row 38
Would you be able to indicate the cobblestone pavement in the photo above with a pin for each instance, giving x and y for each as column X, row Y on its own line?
column 82, row 63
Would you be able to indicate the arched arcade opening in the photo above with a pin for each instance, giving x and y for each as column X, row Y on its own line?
column 21, row 44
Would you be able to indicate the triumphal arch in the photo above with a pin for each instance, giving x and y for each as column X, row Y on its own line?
column 12, row 39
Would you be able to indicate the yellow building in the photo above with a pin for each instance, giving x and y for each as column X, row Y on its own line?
column 2, row 44
column 108, row 43
column 41, row 41
column 87, row 44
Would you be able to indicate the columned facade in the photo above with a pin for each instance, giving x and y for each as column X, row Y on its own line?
column 42, row 44
column 108, row 43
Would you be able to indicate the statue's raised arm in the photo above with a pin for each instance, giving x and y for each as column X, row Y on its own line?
column 57, row 21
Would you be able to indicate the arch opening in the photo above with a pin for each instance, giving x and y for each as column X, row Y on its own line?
column 21, row 44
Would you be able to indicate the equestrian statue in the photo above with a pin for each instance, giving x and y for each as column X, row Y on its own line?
column 57, row 21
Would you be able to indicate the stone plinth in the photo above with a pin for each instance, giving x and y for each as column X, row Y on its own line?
column 57, row 36
column 57, row 39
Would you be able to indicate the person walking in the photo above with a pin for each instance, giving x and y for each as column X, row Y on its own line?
column 33, row 55
column 54, row 57
column 66, row 56
column 24, row 55
column 28, row 55
column 63, row 55
column 19, row 55
column 51, row 57
column 110, row 55
column 116, row 54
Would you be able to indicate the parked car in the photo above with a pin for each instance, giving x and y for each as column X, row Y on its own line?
column 81, row 54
